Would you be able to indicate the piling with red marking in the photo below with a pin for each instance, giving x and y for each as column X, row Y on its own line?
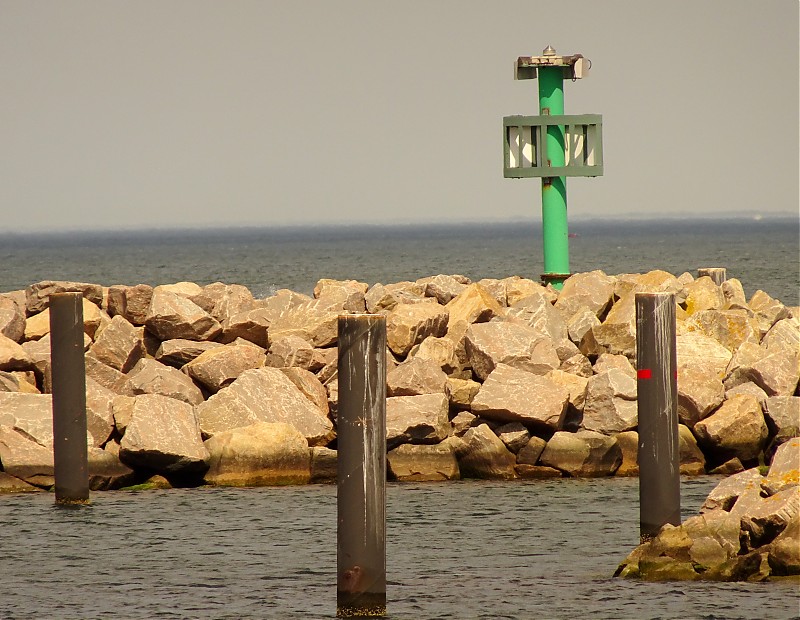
column 657, row 394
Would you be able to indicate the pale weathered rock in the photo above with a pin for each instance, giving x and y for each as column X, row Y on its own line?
column 252, row 325
column 784, row 552
column 385, row 297
column 749, row 388
column 696, row 349
column 578, row 365
column 474, row 304
column 32, row 415
column 529, row 453
column 37, row 296
column 733, row 292
column 264, row 395
column 163, row 435
column 592, row 289
column 783, row 336
column 767, row 311
column 99, row 414
column 481, row 454
column 180, row 351
column 13, row 356
column 770, row 516
column 514, row 435
column 441, row 351
column 581, row 322
column 323, row 464
column 737, row 429
column 120, row 345
column 610, row 405
column 132, row 302
column 777, row 373
column 345, row 295
column 607, row 361
column 462, row 422
column 496, row 288
column 12, row 484
column 725, row 494
column 703, row 294
column 25, row 459
column 218, row 367
column 172, row 316
column 728, row 327
column 582, row 454
column 416, row 376
column 8, row 382
column 290, row 350
column 462, row 392
column 152, row 377
column 309, row 385
column 628, row 443
column 265, row 453
column 518, row 288
column 538, row 313
column 416, row 419
column 107, row 376
column 520, row 346
column 784, row 471
column 106, row 471
column 513, row 395
column 225, row 301
column 417, row 463
column 782, row 414
column 617, row 333
column 700, row 391
column 691, row 458
column 577, row 387
column 313, row 321
column 443, row 288
column 12, row 318
column 410, row 324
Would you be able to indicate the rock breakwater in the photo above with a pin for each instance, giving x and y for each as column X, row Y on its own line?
column 500, row 378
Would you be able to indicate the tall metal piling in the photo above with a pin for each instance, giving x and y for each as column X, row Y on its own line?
column 718, row 274
column 361, row 467
column 70, row 453
column 657, row 390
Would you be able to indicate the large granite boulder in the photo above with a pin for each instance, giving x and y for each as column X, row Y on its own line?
column 767, row 311
column 628, row 443
column 99, row 413
column 442, row 351
column 783, row 336
column 696, row 349
column 108, row 377
column 223, row 301
column 290, row 351
column 120, row 345
column 592, row 289
column 690, row 457
column 462, row 392
column 514, row 435
column 416, row 376
column 265, row 453
column 610, row 405
column 417, row 463
column 311, row 387
column 385, row 297
column 617, row 333
column 730, row 328
column 444, row 288
column 416, row 419
column 537, row 312
column 220, row 366
column 264, row 395
column 481, row 454
column 173, row 316
column 583, row 454
column 517, row 345
column 776, row 372
column 314, row 321
column 163, row 436
column 474, row 304
column 12, row 318
column 784, row 471
column 130, row 302
column 345, row 295
column 736, row 429
column 152, row 377
column 409, row 324
column 252, row 325
column 25, row 459
column 32, row 415
column 180, row 351
column 782, row 414
column 13, row 356
column 37, row 296
column 513, row 395
column 518, row 288
column 700, row 391
column 703, row 294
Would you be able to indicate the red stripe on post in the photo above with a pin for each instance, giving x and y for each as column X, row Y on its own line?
column 644, row 373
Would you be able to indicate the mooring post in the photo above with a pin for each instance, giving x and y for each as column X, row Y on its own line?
column 657, row 393
column 718, row 274
column 67, row 365
column 361, row 466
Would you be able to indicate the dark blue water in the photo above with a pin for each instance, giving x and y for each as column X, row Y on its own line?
column 537, row 549
column 762, row 254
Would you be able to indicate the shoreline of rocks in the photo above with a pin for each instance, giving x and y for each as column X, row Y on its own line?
column 498, row 379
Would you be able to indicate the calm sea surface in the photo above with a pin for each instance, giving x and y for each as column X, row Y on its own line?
column 539, row 549
column 762, row 254
column 457, row 550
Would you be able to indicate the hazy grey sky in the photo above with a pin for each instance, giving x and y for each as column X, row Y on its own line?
column 202, row 113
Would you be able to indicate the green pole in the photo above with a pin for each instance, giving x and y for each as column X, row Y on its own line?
column 554, row 189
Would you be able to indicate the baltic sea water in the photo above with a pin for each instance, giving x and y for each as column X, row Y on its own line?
column 538, row 549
